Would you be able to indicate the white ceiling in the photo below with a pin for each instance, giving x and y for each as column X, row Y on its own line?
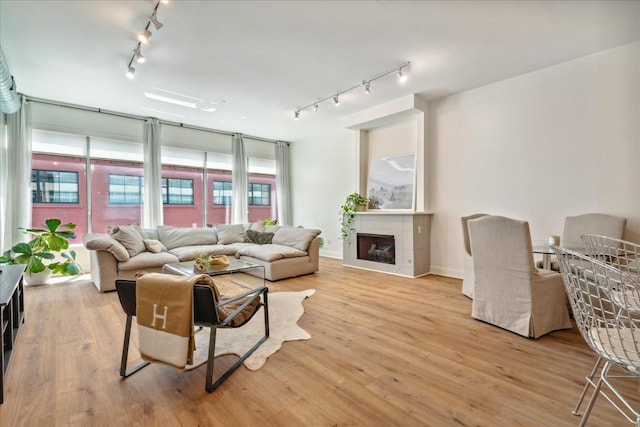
column 261, row 60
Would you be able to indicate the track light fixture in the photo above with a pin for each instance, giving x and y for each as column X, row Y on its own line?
column 154, row 20
column 143, row 38
column 140, row 59
column 131, row 72
column 402, row 77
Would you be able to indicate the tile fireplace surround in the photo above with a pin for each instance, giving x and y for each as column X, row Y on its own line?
column 412, row 242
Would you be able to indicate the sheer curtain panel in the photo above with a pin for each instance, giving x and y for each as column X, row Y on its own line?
column 239, row 194
column 152, row 204
column 15, row 182
column 283, row 183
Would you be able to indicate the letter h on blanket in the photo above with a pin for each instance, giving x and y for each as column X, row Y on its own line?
column 168, row 307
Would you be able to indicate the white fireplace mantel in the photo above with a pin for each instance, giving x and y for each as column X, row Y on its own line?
column 411, row 231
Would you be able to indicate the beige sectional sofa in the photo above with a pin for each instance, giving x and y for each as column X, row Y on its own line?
column 283, row 251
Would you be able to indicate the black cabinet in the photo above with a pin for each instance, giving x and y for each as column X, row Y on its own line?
column 11, row 314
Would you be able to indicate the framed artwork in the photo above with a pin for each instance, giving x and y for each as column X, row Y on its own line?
column 391, row 182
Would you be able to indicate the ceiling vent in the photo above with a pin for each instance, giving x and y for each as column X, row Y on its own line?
column 9, row 102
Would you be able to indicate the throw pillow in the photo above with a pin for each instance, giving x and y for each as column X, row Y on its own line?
column 254, row 236
column 108, row 244
column 230, row 233
column 130, row 238
column 154, row 246
column 298, row 238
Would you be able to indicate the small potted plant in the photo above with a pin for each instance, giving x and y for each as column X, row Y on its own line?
column 355, row 202
column 54, row 238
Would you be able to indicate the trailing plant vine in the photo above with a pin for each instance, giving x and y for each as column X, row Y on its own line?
column 352, row 204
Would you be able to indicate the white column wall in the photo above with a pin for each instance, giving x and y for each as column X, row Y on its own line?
column 323, row 173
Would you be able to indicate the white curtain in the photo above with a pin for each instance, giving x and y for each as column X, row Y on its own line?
column 15, row 175
column 240, row 208
column 283, row 182
column 152, row 174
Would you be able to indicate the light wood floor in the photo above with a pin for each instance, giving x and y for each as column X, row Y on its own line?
column 386, row 351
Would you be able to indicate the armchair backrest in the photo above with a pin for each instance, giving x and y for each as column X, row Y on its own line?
column 594, row 223
column 465, row 230
column 502, row 255
column 204, row 301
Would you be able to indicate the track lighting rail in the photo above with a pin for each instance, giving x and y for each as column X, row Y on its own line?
column 366, row 83
column 143, row 38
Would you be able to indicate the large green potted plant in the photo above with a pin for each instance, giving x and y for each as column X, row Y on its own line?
column 355, row 202
column 46, row 242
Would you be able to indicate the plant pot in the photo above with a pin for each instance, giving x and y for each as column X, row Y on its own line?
column 34, row 279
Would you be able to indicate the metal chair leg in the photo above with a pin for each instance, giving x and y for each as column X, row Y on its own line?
column 125, row 352
column 589, row 379
column 210, row 386
column 592, row 401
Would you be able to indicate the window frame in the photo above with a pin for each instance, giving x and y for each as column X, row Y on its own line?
column 38, row 191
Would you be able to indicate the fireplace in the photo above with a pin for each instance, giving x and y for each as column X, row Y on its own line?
column 376, row 247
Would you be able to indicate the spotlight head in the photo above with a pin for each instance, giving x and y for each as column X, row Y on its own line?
column 336, row 101
column 154, row 20
column 131, row 72
column 144, row 36
column 315, row 108
column 401, row 77
column 296, row 114
column 367, row 90
column 139, row 56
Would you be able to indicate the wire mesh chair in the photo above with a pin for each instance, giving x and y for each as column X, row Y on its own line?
column 623, row 255
column 603, row 300
column 620, row 253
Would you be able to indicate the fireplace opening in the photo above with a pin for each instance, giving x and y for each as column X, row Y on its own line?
column 376, row 247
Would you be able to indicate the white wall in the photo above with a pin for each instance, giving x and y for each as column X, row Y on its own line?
column 323, row 173
column 560, row 141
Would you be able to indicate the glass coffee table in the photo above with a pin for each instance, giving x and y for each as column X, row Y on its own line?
column 240, row 273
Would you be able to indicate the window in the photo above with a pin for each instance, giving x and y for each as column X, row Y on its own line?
column 54, row 186
column 125, row 189
column 222, row 193
column 259, row 194
column 177, row 191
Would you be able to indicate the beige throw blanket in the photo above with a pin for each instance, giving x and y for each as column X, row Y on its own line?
column 164, row 311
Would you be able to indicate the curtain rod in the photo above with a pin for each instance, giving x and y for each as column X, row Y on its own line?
column 142, row 118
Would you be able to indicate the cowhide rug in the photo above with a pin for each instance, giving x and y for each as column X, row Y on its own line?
column 285, row 308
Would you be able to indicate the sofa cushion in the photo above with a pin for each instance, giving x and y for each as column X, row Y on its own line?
column 188, row 253
column 154, row 246
column 298, row 238
column 230, row 233
column 130, row 236
column 270, row 252
column 261, row 238
column 106, row 243
column 147, row 260
column 176, row 237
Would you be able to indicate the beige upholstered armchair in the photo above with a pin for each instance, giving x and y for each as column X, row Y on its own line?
column 593, row 223
column 600, row 224
column 468, row 278
column 509, row 291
